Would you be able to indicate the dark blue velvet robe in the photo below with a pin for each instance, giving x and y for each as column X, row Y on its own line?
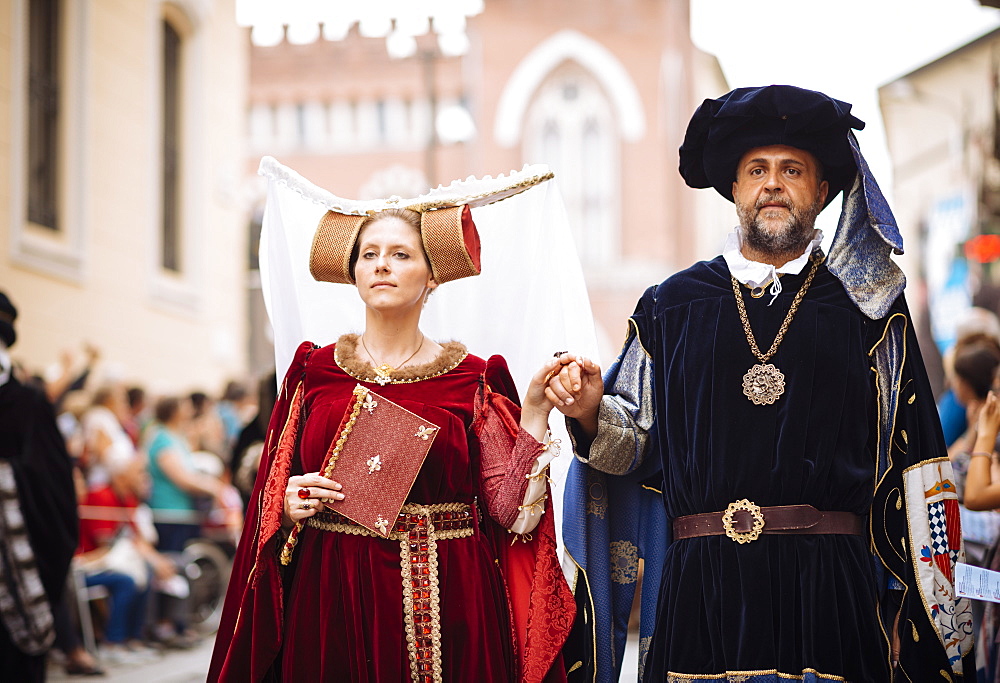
column 840, row 438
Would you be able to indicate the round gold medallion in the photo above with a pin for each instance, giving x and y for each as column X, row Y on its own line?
column 763, row 384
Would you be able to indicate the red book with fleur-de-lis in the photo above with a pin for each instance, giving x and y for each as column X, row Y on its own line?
column 376, row 456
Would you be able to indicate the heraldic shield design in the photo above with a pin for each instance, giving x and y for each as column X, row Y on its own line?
column 936, row 542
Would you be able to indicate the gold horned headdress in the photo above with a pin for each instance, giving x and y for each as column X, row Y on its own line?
column 530, row 291
column 447, row 230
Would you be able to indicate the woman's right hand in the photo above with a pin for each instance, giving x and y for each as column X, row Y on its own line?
column 989, row 416
column 298, row 508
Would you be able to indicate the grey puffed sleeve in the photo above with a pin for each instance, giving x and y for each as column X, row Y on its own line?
column 625, row 415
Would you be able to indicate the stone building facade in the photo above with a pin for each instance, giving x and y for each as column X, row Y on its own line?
column 600, row 91
column 941, row 123
column 122, row 146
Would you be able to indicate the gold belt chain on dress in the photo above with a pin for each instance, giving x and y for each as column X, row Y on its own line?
column 450, row 520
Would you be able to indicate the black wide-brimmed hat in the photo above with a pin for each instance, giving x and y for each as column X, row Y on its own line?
column 723, row 130
column 7, row 316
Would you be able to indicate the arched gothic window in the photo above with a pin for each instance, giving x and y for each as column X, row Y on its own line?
column 570, row 126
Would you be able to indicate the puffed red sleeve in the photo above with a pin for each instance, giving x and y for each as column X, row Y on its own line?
column 507, row 452
column 542, row 605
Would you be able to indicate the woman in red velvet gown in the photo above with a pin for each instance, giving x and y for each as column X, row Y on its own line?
column 458, row 605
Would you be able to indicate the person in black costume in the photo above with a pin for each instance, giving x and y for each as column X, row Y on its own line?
column 771, row 421
column 38, row 519
column 250, row 443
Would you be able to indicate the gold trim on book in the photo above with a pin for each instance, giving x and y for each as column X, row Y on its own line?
column 360, row 394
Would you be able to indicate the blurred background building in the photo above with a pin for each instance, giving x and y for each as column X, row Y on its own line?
column 600, row 91
column 941, row 123
column 122, row 147
column 133, row 133
column 130, row 207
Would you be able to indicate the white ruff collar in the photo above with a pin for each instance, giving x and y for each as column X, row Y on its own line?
column 755, row 274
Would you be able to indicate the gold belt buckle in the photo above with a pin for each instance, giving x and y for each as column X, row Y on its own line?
column 743, row 536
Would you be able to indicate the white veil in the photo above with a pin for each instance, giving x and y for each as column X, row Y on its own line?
column 530, row 300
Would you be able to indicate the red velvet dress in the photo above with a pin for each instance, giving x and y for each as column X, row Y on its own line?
column 497, row 612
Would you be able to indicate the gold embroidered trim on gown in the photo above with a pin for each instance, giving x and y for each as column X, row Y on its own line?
column 347, row 360
column 422, row 602
column 418, row 560
column 739, row 676
column 401, row 529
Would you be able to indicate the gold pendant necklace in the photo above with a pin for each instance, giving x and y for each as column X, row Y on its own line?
column 764, row 383
column 383, row 371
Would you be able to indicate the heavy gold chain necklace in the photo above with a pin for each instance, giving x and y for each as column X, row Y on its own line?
column 383, row 371
column 764, row 383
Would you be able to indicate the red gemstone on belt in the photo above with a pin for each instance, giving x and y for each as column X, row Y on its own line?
column 303, row 493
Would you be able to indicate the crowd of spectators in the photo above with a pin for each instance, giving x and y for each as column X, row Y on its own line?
column 972, row 372
column 151, row 474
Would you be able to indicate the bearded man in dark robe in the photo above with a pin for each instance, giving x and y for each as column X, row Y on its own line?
column 767, row 441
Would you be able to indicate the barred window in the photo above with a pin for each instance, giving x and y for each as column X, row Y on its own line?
column 171, row 228
column 43, row 112
column 570, row 125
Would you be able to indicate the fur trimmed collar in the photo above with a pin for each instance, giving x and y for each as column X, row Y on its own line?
column 346, row 355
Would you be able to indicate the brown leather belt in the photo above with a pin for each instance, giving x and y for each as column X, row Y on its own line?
column 744, row 521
